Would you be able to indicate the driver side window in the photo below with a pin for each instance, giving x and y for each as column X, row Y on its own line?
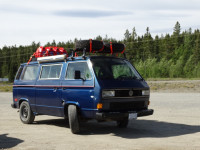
column 121, row 70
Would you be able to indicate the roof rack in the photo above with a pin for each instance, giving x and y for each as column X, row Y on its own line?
column 52, row 53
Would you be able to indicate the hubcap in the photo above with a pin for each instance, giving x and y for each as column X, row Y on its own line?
column 24, row 113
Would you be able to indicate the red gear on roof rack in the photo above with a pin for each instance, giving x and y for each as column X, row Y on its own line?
column 111, row 48
column 48, row 51
column 62, row 50
column 40, row 52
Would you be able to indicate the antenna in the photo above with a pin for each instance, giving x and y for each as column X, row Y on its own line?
column 84, row 53
column 124, row 55
column 72, row 55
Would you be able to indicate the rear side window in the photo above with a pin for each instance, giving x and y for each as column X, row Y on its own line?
column 51, row 71
column 79, row 66
column 19, row 72
column 30, row 73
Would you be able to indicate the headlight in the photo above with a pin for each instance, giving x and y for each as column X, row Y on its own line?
column 108, row 93
column 145, row 92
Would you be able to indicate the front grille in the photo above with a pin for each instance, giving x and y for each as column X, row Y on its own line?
column 128, row 93
column 127, row 106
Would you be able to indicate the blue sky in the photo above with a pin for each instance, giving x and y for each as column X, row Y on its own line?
column 24, row 21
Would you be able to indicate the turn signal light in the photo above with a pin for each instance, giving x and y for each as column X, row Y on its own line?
column 99, row 106
column 16, row 99
column 148, row 102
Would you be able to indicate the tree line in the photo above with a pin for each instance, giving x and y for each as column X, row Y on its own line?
column 175, row 55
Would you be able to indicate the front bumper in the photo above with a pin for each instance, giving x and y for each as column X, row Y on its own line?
column 118, row 115
column 145, row 112
column 13, row 105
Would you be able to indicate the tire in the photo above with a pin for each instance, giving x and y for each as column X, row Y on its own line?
column 73, row 119
column 122, row 123
column 117, row 47
column 96, row 45
column 25, row 113
column 66, row 119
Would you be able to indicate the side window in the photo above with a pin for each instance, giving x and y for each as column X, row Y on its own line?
column 30, row 73
column 19, row 72
column 79, row 66
column 51, row 71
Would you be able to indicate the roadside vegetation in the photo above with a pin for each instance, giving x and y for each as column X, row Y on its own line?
column 5, row 87
column 156, row 85
column 175, row 55
column 184, row 86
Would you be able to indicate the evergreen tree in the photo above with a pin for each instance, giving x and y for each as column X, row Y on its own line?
column 157, row 47
column 1, row 63
column 53, row 43
column 176, row 55
column 131, row 46
column 148, row 45
column 127, row 36
column 99, row 38
column 197, row 51
column 176, row 35
column 133, row 35
column 177, row 29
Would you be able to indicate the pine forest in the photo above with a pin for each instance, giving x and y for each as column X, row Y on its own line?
column 175, row 55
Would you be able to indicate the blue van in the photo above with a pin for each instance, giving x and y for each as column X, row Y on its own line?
column 79, row 89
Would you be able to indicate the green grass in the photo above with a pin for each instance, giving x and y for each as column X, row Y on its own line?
column 155, row 86
column 185, row 86
column 5, row 87
column 170, row 79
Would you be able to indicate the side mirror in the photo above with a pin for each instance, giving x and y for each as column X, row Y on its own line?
column 77, row 74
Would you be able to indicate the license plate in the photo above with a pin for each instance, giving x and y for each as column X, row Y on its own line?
column 132, row 116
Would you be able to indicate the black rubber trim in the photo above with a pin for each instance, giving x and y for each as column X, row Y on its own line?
column 13, row 105
column 111, row 115
column 118, row 115
column 145, row 112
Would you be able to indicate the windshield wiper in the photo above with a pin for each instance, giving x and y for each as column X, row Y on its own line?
column 137, row 78
column 123, row 77
column 128, row 78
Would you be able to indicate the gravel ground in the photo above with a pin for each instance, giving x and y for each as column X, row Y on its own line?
column 178, row 86
column 175, row 125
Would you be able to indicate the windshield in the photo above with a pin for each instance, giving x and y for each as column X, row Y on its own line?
column 115, row 69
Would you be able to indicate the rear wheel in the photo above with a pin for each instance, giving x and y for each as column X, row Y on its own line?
column 73, row 119
column 66, row 119
column 25, row 113
column 122, row 123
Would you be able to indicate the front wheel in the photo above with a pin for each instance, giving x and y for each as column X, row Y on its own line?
column 25, row 113
column 73, row 119
column 122, row 123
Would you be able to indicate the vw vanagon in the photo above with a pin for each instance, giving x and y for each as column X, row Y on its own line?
column 81, row 88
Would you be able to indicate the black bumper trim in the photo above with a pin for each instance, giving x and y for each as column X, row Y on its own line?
column 145, row 112
column 118, row 115
column 13, row 105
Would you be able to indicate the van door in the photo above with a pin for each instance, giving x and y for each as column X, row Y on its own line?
column 79, row 91
column 25, row 85
column 48, row 90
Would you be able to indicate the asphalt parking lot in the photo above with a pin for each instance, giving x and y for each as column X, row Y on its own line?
column 174, row 125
